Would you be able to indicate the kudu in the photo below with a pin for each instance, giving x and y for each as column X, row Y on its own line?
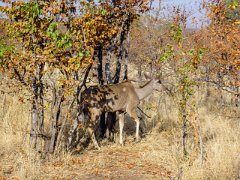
column 122, row 97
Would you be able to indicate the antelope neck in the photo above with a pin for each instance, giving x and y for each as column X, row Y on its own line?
column 144, row 91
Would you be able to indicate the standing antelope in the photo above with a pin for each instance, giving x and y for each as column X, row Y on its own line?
column 122, row 97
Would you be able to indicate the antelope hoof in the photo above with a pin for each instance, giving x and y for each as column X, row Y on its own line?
column 121, row 142
column 137, row 140
column 97, row 147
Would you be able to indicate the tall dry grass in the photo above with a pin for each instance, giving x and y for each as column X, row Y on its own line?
column 221, row 147
column 161, row 146
column 220, row 133
column 15, row 155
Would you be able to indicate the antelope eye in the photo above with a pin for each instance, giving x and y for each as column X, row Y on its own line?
column 159, row 81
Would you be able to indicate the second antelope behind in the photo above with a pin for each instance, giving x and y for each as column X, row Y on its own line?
column 122, row 97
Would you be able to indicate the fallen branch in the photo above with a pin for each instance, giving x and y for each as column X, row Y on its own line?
column 143, row 112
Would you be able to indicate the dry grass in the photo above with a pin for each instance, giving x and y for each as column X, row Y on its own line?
column 157, row 156
column 222, row 149
column 15, row 154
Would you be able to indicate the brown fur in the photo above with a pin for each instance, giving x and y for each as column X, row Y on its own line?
column 122, row 97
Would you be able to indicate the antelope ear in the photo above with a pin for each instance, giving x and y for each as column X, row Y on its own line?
column 147, row 76
column 159, row 81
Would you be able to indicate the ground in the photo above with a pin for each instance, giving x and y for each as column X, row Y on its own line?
column 111, row 162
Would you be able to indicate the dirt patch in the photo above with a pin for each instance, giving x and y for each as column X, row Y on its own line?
column 111, row 162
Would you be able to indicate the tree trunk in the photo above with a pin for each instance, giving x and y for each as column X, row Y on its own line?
column 55, row 121
column 100, row 66
column 34, row 117
column 119, row 59
column 184, row 130
column 37, row 111
column 125, row 77
column 183, row 116
column 101, row 82
column 107, row 66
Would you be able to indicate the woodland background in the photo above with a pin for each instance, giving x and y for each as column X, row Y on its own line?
column 52, row 50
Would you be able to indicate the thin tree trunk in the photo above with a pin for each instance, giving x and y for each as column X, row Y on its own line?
column 54, row 128
column 34, row 117
column 107, row 65
column 37, row 111
column 237, row 97
column 125, row 77
column 40, row 100
column 101, row 82
column 100, row 66
column 119, row 59
column 184, row 131
column 183, row 114
column 221, row 103
column 125, row 32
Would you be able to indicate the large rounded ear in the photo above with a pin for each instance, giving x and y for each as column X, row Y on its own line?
column 147, row 76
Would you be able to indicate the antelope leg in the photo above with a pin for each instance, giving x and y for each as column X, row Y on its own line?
column 121, row 125
column 92, row 135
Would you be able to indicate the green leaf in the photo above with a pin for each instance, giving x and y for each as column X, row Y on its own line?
column 190, row 52
column 80, row 54
column 167, row 53
column 200, row 53
column 87, row 54
column 103, row 12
